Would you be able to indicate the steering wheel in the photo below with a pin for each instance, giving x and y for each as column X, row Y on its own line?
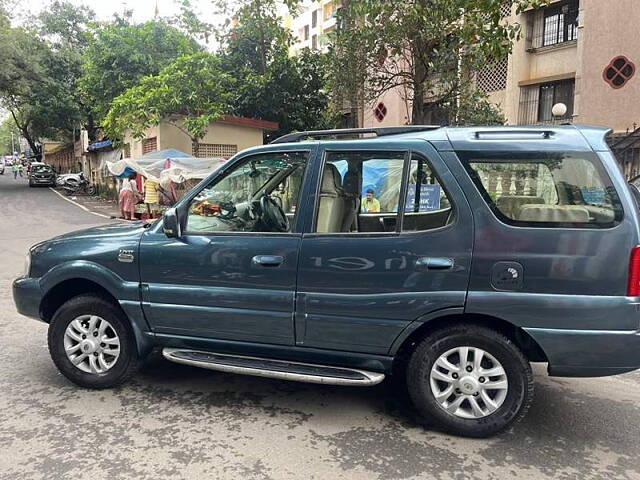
column 272, row 214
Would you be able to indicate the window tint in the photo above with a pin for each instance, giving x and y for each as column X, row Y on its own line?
column 427, row 205
column 555, row 189
column 258, row 195
column 360, row 192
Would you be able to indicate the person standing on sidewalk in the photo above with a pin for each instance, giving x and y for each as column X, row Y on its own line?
column 151, row 197
column 127, row 197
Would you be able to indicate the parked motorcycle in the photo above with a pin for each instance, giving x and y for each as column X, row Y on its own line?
column 78, row 184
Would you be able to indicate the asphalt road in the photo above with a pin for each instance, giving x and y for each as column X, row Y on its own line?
column 181, row 422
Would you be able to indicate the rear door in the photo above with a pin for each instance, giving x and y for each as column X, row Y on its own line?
column 402, row 254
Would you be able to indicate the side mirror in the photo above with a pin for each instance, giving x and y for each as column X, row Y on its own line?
column 171, row 224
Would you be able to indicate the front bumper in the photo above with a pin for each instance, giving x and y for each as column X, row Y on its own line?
column 588, row 353
column 44, row 181
column 27, row 296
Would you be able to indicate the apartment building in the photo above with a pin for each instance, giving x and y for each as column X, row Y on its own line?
column 313, row 24
column 583, row 53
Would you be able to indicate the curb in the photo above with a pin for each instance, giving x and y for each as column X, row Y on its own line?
column 79, row 205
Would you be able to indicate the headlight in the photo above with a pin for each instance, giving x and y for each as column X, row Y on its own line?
column 27, row 265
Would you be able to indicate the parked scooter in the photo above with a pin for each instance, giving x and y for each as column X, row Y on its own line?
column 78, row 184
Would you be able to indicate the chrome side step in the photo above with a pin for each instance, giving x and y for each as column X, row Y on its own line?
column 280, row 369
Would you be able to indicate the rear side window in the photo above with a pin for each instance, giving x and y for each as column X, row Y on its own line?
column 569, row 190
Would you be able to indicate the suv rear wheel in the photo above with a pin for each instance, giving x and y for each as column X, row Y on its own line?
column 469, row 380
column 92, row 343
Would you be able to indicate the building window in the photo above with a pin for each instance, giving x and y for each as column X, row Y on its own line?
column 314, row 42
column 314, row 19
column 380, row 111
column 554, row 25
column 306, row 32
column 149, row 145
column 328, row 11
column 214, row 150
column 127, row 150
column 537, row 101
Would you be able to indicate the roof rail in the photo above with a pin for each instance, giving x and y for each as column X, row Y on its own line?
column 380, row 132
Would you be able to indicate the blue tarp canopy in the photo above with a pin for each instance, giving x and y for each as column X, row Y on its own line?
column 164, row 154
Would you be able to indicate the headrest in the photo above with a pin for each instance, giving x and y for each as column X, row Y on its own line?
column 350, row 183
column 331, row 180
column 510, row 205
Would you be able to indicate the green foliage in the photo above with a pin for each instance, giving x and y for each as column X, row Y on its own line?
column 6, row 128
column 290, row 93
column 36, row 86
column 190, row 93
column 271, row 85
column 428, row 48
column 119, row 55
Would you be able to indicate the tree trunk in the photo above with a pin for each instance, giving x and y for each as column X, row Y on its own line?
column 417, row 108
column 24, row 130
column 195, row 147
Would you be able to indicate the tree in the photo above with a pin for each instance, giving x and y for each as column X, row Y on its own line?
column 272, row 85
column 35, row 87
column 120, row 54
column 190, row 93
column 427, row 48
column 7, row 127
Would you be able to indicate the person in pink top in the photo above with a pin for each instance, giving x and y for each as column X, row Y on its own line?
column 128, row 197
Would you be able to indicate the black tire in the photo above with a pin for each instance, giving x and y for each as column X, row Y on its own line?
column 128, row 360
column 517, row 368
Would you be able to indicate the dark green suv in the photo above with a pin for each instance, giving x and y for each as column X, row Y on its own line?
column 448, row 258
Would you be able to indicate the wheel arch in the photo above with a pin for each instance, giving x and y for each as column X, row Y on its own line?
column 57, row 295
column 67, row 289
column 423, row 327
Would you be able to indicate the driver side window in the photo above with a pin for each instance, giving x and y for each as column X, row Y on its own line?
column 259, row 194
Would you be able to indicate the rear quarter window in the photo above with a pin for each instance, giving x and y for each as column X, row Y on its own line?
column 558, row 189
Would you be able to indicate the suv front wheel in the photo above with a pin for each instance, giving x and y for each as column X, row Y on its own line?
column 91, row 343
column 469, row 380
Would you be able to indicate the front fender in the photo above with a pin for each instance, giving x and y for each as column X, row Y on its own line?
column 127, row 293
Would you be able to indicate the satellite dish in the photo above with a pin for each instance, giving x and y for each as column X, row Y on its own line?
column 559, row 110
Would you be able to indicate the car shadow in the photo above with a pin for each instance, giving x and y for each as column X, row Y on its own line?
column 562, row 429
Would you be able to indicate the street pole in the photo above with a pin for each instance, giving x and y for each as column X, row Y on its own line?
column 13, row 148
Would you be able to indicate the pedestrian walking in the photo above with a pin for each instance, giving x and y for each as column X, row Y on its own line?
column 128, row 197
column 15, row 168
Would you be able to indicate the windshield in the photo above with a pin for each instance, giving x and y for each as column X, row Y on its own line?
column 41, row 168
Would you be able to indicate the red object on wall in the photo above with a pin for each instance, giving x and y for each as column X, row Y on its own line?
column 619, row 72
column 380, row 111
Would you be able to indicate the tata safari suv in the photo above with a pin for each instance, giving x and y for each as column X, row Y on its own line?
column 448, row 258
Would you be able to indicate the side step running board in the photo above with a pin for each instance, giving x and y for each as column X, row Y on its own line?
column 280, row 369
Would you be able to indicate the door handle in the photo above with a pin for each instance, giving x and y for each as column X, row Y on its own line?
column 434, row 263
column 268, row 260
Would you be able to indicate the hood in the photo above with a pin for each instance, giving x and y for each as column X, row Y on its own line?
column 111, row 231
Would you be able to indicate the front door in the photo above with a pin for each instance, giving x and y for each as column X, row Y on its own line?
column 232, row 273
column 391, row 243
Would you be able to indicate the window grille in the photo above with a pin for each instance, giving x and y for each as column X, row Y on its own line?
column 149, row 145
column 536, row 102
column 493, row 78
column 215, row 150
column 127, row 150
column 505, row 9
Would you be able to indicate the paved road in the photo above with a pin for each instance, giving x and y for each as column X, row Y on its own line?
column 180, row 422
